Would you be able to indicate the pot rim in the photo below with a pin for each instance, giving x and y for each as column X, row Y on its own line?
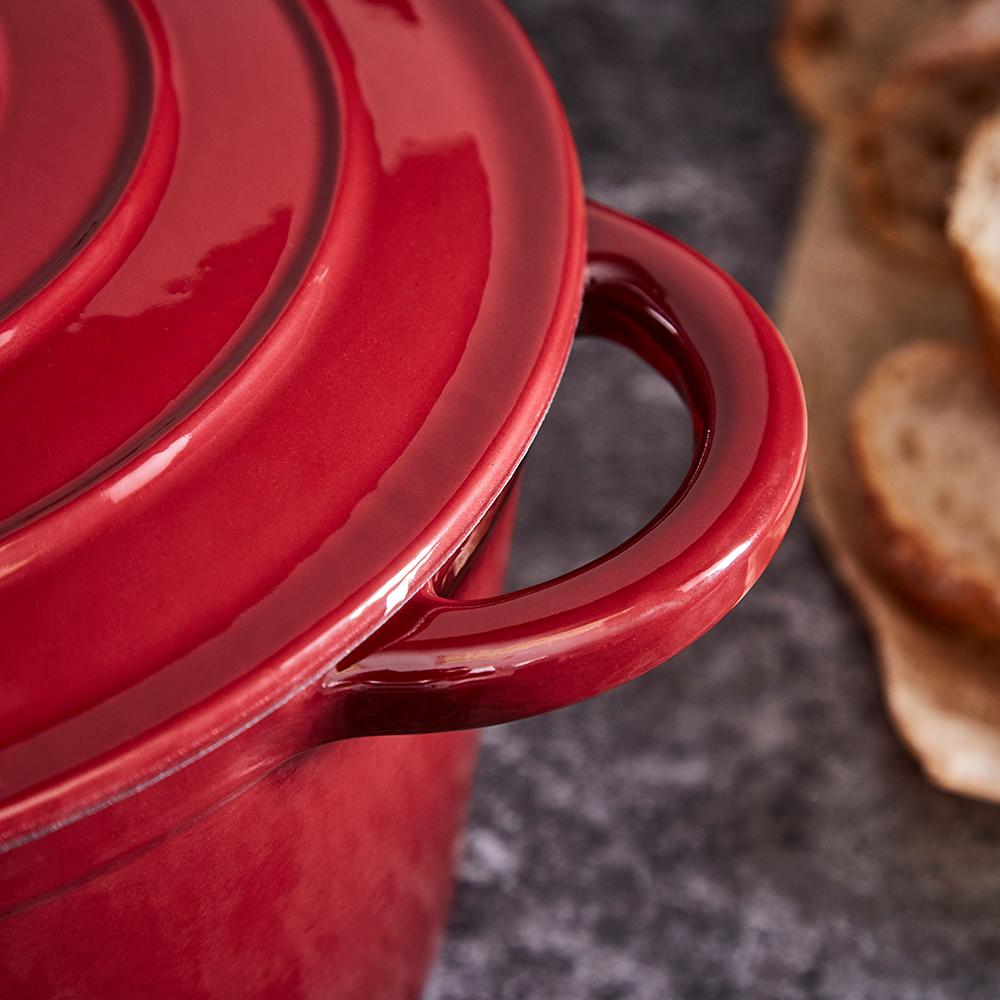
column 215, row 721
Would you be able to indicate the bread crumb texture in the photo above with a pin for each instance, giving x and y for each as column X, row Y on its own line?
column 925, row 435
column 911, row 136
column 974, row 231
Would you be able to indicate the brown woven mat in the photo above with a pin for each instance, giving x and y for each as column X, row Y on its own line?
column 843, row 302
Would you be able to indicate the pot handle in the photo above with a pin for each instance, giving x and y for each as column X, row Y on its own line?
column 455, row 664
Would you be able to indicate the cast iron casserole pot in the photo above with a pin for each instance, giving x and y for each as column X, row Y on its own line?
column 286, row 291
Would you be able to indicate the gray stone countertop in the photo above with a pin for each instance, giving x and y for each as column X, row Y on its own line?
column 741, row 822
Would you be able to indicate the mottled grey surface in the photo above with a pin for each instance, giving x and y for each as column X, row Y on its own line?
column 742, row 822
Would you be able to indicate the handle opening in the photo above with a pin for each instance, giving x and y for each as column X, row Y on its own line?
column 449, row 664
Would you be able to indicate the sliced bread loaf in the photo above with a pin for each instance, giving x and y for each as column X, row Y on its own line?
column 832, row 53
column 912, row 134
column 925, row 436
column 974, row 230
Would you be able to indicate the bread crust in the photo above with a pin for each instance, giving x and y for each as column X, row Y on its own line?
column 956, row 70
column 919, row 240
column 984, row 292
column 945, row 587
column 986, row 306
column 823, row 103
column 832, row 53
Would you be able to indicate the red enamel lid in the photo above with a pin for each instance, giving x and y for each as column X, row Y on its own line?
column 285, row 290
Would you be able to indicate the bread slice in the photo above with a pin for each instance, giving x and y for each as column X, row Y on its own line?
column 832, row 53
column 974, row 231
column 910, row 138
column 925, row 434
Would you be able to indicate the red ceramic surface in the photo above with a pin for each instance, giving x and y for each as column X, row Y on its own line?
column 328, row 877
column 270, row 356
column 286, row 293
column 476, row 663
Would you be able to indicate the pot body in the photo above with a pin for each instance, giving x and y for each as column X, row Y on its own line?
column 329, row 877
column 228, row 552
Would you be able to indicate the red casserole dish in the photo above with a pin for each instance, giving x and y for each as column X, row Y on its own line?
column 286, row 291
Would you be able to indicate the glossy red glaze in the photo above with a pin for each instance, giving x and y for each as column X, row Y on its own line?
column 236, row 442
column 696, row 326
column 326, row 877
column 448, row 663
column 264, row 369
